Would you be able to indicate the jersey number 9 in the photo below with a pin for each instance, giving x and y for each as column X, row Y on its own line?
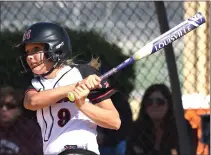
column 64, row 116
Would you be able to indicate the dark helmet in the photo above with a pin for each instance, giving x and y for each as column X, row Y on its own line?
column 58, row 47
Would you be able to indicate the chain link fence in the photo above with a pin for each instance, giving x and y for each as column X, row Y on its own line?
column 130, row 25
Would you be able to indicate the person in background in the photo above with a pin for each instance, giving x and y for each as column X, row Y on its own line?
column 155, row 131
column 18, row 135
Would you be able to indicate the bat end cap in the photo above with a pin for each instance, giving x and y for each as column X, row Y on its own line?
column 71, row 96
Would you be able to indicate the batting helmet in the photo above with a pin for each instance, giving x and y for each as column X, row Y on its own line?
column 58, row 47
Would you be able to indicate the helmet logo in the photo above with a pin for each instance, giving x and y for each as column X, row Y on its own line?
column 59, row 45
column 27, row 35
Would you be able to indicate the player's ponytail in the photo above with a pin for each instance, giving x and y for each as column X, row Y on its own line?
column 96, row 63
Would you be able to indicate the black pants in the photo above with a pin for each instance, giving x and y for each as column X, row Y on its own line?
column 77, row 152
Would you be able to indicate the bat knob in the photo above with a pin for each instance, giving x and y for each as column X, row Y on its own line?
column 71, row 96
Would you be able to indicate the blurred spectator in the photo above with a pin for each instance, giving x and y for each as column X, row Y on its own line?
column 113, row 142
column 18, row 135
column 155, row 131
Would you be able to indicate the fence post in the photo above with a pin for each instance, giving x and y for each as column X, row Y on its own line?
column 184, row 141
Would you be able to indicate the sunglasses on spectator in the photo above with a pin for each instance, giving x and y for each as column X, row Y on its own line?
column 158, row 101
column 9, row 105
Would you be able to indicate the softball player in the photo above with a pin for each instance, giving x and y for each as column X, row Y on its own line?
column 68, row 127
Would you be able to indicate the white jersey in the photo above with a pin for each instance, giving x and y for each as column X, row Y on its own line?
column 62, row 124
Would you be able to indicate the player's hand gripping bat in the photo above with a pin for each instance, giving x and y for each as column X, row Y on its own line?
column 156, row 44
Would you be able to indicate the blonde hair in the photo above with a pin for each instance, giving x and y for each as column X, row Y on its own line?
column 95, row 62
column 69, row 62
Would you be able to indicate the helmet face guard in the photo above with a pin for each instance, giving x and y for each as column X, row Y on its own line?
column 58, row 47
column 21, row 60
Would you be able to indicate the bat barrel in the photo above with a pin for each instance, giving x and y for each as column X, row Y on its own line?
column 178, row 31
column 170, row 36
